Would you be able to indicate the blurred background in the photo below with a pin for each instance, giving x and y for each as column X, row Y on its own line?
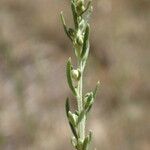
column 33, row 88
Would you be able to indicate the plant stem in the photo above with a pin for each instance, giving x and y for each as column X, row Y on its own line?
column 79, row 36
column 81, row 125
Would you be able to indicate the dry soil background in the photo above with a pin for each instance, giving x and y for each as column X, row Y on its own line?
column 33, row 53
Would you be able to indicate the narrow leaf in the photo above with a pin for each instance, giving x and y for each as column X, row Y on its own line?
column 81, row 115
column 87, row 7
column 87, row 141
column 89, row 108
column 75, row 16
column 80, row 144
column 65, row 27
column 71, row 119
column 73, row 130
column 95, row 90
column 67, row 106
column 93, row 98
column 71, row 126
column 85, row 144
column 85, row 42
column 69, row 78
column 88, row 101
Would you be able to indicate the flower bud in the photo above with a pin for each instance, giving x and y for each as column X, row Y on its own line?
column 79, row 37
column 80, row 6
column 75, row 74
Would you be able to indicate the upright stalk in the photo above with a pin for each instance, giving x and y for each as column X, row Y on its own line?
column 79, row 36
column 81, row 126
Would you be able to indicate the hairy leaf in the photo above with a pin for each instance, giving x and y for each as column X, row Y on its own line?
column 71, row 119
column 69, row 77
column 81, row 115
column 71, row 126
column 65, row 27
column 87, row 141
column 85, row 144
column 87, row 7
column 89, row 101
column 85, row 42
column 95, row 90
column 67, row 106
column 74, row 12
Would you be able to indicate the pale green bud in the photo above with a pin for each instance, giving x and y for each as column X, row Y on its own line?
column 79, row 37
column 75, row 74
column 80, row 6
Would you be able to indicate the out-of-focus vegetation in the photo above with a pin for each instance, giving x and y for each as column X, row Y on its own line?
column 33, row 53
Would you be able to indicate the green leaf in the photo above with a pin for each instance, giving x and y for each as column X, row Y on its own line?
column 81, row 115
column 87, row 141
column 67, row 106
column 71, row 119
column 71, row 126
column 85, row 144
column 85, row 42
column 71, row 33
column 69, row 77
column 89, row 108
column 89, row 101
column 87, row 7
column 80, row 144
column 65, row 27
column 95, row 90
column 77, row 113
column 74, row 12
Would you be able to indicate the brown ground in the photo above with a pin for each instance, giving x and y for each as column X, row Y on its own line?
column 33, row 53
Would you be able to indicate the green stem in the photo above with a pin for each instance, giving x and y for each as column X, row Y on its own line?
column 81, row 126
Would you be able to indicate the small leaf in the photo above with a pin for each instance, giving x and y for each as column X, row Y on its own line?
column 71, row 33
column 71, row 119
column 89, row 108
column 75, row 16
column 87, row 7
column 69, row 78
column 77, row 113
column 67, row 106
column 65, row 27
column 89, row 101
column 80, row 144
column 91, row 98
column 85, row 144
column 73, row 130
column 95, row 90
column 87, row 141
column 85, row 42
column 71, row 126
column 81, row 115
